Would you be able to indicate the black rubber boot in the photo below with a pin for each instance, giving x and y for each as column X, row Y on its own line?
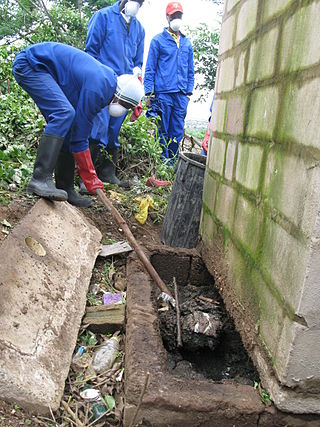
column 107, row 161
column 41, row 182
column 64, row 174
column 94, row 152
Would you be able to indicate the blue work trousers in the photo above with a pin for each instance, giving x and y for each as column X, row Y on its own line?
column 52, row 102
column 106, row 128
column 171, row 126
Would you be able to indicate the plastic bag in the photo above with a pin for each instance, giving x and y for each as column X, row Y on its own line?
column 105, row 356
column 145, row 203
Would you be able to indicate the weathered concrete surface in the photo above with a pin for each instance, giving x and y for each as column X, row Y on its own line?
column 260, row 218
column 172, row 400
column 45, row 269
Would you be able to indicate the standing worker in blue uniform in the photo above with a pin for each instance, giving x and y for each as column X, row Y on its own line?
column 169, row 77
column 115, row 38
column 70, row 88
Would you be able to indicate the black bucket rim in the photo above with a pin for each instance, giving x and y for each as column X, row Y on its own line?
column 184, row 156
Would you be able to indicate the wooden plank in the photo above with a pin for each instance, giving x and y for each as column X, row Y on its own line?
column 105, row 318
column 115, row 249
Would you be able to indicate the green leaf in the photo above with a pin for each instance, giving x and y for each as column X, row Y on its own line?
column 110, row 402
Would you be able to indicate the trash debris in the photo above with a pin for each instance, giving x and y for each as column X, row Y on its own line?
column 153, row 182
column 105, row 356
column 145, row 203
column 90, row 394
column 110, row 298
column 115, row 249
column 166, row 299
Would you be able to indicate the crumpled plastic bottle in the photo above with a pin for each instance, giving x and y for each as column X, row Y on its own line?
column 106, row 355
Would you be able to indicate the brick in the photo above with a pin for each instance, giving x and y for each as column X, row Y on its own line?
column 263, row 112
column 300, row 44
column 248, row 224
column 284, row 259
column 226, row 75
column 230, row 157
column 262, row 56
column 248, row 165
column 218, row 113
column 209, row 190
column 225, row 204
column 216, row 155
column 235, row 115
column 271, row 8
column 246, row 20
column 300, row 114
column 231, row 4
column 270, row 314
column 226, row 37
column 241, row 69
column 287, row 185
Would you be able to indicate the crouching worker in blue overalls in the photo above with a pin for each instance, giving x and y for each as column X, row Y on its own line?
column 70, row 88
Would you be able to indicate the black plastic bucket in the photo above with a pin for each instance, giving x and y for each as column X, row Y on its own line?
column 182, row 219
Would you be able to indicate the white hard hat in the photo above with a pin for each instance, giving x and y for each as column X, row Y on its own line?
column 129, row 89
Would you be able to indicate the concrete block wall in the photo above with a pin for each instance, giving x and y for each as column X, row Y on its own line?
column 260, row 223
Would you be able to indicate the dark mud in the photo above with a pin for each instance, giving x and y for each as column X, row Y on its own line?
column 212, row 348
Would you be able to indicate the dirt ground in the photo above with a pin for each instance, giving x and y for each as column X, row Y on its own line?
column 11, row 214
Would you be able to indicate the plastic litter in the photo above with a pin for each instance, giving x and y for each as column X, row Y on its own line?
column 145, row 203
column 90, row 394
column 110, row 298
column 105, row 356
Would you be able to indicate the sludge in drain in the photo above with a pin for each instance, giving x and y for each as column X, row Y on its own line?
column 212, row 347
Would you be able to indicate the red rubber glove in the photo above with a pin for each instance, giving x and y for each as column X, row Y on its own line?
column 87, row 171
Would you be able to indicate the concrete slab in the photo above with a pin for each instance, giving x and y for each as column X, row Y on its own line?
column 45, row 270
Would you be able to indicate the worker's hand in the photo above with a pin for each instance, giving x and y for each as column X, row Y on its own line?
column 137, row 72
column 136, row 113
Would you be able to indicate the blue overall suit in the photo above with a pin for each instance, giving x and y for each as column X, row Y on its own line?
column 69, row 87
column 111, row 42
column 169, row 76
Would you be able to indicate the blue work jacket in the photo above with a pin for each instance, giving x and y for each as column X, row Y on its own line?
column 88, row 85
column 110, row 42
column 169, row 68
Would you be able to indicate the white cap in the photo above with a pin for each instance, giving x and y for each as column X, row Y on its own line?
column 129, row 89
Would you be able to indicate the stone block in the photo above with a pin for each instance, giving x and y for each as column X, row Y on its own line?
column 218, row 115
column 45, row 268
column 231, row 4
column 230, row 158
column 248, row 224
column 279, row 259
column 300, row 39
column 271, row 8
column 216, row 155
column 248, row 165
column 207, row 228
column 263, row 112
column 289, row 183
column 262, row 57
column 247, row 20
column 235, row 115
column 225, row 80
column 304, row 362
column 226, row 38
column 209, row 190
column 225, row 205
column 299, row 120
column 241, row 69
column 309, row 306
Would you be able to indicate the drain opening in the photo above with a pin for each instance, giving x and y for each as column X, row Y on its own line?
column 35, row 246
column 212, row 347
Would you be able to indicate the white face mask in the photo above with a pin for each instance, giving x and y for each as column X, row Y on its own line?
column 175, row 24
column 116, row 110
column 131, row 8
